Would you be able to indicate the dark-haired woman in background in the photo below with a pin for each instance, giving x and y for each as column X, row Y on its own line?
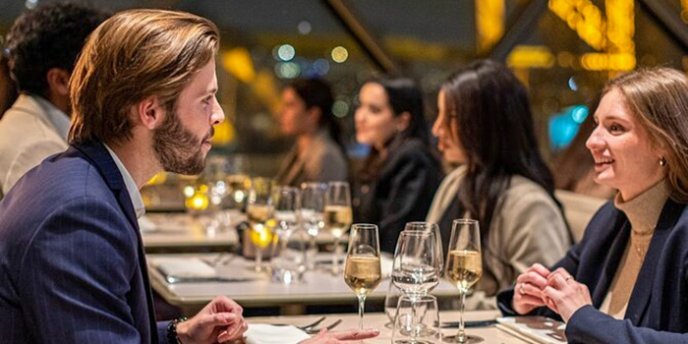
column 319, row 153
column 398, row 179
column 485, row 126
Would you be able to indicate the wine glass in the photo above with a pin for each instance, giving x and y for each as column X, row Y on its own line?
column 288, row 266
column 393, row 293
column 338, row 216
column 260, row 217
column 464, row 268
column 414, row 269
column 362, row 268
column 312, row 214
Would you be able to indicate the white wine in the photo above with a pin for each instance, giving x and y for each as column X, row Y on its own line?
column 464, row 268
column 338, row 218
column 362, row 273
column 261, row 230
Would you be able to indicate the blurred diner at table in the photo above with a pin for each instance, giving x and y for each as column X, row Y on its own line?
column 398, row 179
column 484, row 125
column 318, row 155
column 627, row 280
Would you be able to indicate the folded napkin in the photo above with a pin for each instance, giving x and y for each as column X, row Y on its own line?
column 183, row 268
column 269, row 334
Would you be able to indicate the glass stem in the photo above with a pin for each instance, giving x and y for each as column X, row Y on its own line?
column 461, row 336
column 337, row 254
column 259, row 259
column 361, row 309
column 414, row 321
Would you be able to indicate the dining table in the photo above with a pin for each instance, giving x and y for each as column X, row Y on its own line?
column 235, row 277
column 481, row 324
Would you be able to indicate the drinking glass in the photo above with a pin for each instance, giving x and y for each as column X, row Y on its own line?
column 338, row 216
column 464, row 268
column 435, row 229
column 288, row 266
column 260, row 217
column 362, row 272
column 414, row 269
column 416, row 321
column 312, row 215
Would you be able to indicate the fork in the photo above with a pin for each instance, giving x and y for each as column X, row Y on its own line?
column 306, row 327
column 329, row 327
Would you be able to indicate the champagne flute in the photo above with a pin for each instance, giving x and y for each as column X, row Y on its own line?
column 464, row 268
column 260, row 217
column 312, row 214
column 362, row 268
column 338, row 216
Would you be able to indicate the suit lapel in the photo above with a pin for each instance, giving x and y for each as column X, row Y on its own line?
column 640, row 297
column 611, row 264
column 102, row 160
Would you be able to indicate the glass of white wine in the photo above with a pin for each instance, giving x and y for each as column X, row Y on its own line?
column 338, row 216
column 362, row 271
column 260, row 213
column 464, row 268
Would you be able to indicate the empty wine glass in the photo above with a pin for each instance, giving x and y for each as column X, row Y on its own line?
column 288, row 266
column 415, row 264
column 313, row 215
column 416, row 321
column 338, row 216
column 362, row 272
column 435, row 229
column 464, row 268
column 260, row 217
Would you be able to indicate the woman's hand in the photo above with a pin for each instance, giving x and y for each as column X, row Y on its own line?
column 564, row 295
column 528, row 289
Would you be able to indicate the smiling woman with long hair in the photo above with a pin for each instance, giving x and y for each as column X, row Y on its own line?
column 627, row 280
column 485, row 126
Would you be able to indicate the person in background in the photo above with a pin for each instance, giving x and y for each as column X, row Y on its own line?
column 319, row 152
column 8, row 90
column 485, row 126
column 41, row 48
column 71, row 258
column 396, row 182
column 627, row 280
column 576, row 168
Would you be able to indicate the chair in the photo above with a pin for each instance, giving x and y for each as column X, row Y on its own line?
column 578, row 210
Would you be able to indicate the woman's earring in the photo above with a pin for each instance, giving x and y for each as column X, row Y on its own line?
column 662, row 161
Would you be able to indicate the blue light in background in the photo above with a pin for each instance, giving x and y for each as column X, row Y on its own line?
column 564, row 126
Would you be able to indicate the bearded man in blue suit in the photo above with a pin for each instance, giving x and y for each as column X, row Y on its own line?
column 72, row 264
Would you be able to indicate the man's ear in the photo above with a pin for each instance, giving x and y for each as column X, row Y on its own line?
column 58, row 81
column 149, row 112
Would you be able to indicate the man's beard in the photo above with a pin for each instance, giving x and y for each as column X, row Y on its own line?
column 177, row 149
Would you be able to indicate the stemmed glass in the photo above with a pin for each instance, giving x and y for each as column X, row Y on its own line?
column 414, row 269
column 464, row 268
column 393, row 294
column 362, row 268
column 289, row 264
column 338, row 216
column 260, row 217
column 312, row 214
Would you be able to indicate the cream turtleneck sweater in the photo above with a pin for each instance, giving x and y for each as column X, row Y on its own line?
column 643, row 213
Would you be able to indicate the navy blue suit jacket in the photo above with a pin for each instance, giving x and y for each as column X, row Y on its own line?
column 658, row 308
column 72, row 265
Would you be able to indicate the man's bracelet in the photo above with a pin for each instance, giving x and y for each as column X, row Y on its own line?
column 172, row 337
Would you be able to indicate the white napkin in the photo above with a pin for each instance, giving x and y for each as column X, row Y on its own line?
column 146, row 225
column 269, row 334
column 178, row 267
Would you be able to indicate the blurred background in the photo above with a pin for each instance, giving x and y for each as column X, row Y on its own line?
column 563, row 50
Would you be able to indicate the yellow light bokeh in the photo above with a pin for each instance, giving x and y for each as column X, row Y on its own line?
column 339, row 54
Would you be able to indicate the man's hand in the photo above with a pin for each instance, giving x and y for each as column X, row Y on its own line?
column 220, row 320
column 339, row 337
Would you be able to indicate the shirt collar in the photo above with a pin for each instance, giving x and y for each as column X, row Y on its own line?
column 59, row 119
column 134, row 192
